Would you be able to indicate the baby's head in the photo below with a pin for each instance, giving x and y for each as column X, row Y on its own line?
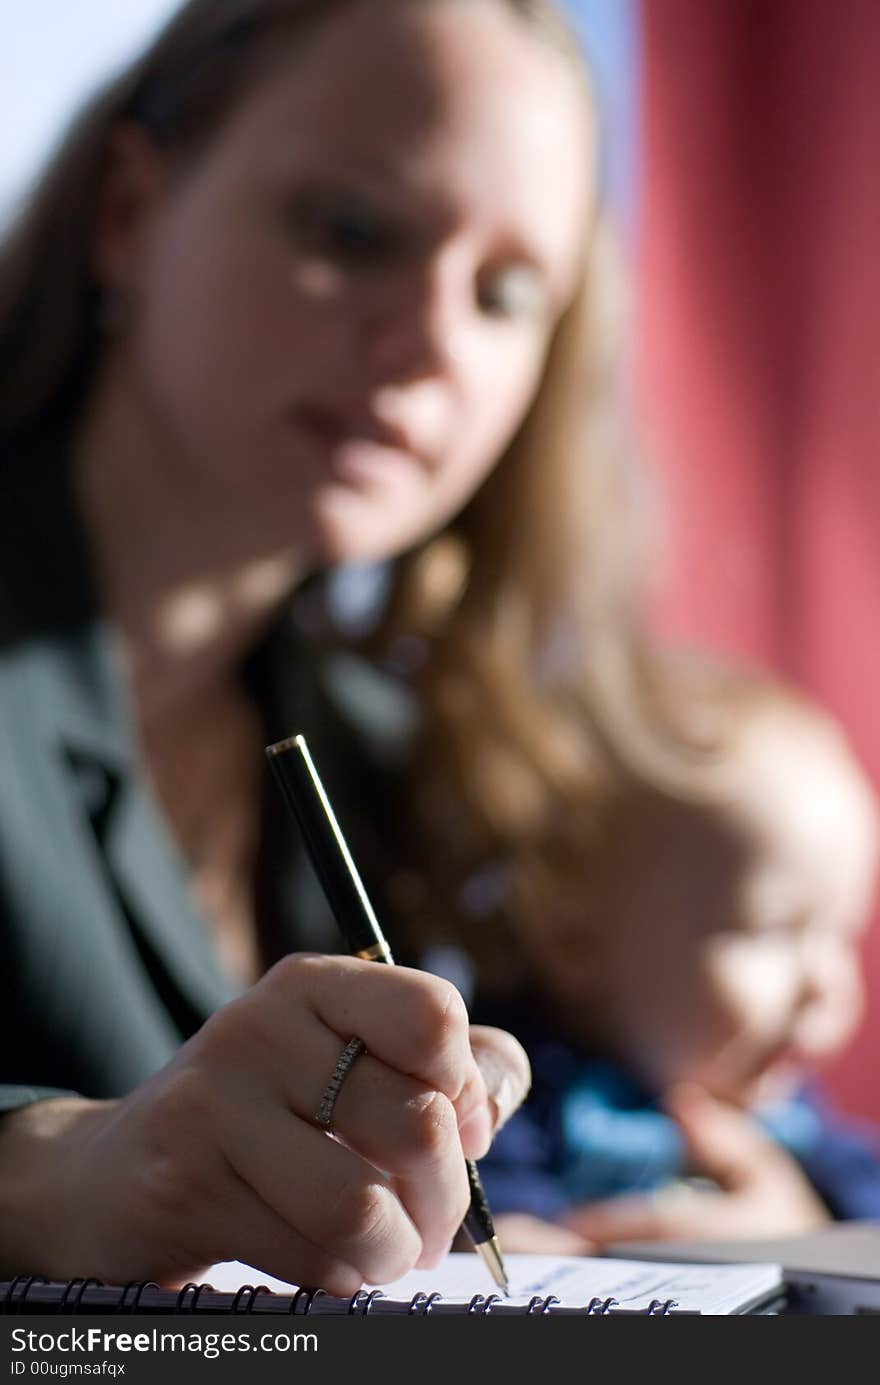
column 716, row 939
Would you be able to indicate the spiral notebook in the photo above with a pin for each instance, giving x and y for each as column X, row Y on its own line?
column 547, row 1285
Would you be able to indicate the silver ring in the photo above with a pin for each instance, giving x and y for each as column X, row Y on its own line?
column 347, row 1058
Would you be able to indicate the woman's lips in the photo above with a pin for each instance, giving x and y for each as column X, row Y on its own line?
column 357, row 447
column 343, row 425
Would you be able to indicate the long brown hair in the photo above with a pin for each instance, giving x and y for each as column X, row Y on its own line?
column 532, row 644
column 540, row 690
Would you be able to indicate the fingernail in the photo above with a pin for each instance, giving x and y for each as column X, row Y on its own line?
column 508, row 1077
column 475, row 1131
column 505, row 1095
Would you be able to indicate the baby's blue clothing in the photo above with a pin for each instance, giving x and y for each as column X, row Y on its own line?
column 616, row 1140
column 589, row 1131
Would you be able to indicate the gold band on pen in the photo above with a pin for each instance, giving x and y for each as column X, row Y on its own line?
column 378, row 952
column 279, row 748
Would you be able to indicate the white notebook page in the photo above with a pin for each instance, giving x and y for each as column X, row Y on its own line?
column 711, row 1289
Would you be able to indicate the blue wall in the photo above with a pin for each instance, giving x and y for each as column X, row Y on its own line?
column 611, row 33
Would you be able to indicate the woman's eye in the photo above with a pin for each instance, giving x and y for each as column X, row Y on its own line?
column 357, row 231
column 343, row 229
column 515, row 291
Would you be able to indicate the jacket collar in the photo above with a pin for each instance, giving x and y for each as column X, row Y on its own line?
column 48, row 599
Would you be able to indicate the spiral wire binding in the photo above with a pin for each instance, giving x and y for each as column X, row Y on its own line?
column 188, row 1298
column 420, row 1304
column 76, row 1288
column 601, row 1307
column 244, row 1299
column 308, row 1297
column 260, row 1289
column 354, row 1303
column 10, row 1302
column 541, row 1305
column 73, row 1286
column 73, row 1300
column 357, row 1307
column 137, row 1287
column 482, row 1304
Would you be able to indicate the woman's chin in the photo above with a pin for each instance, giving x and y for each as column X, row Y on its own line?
column 348, row 527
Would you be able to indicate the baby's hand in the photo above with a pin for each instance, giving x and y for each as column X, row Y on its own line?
column 521, row 1232
column 760, row 1189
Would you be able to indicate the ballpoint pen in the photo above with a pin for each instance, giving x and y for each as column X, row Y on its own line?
column 307, row 799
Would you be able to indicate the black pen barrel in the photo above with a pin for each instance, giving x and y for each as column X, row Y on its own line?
column 305, row 797
column 478, row 1218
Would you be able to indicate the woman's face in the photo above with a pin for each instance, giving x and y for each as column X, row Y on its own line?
column 341, row 306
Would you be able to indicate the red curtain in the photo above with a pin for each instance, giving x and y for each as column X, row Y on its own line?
column 759, row 262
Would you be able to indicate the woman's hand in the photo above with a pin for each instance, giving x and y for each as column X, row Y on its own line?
column 761, row 1190
column 219, row 1157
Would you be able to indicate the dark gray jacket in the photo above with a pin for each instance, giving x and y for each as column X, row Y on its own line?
column 105, row 965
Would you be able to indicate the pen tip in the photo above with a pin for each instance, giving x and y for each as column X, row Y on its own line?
column 492, row 1258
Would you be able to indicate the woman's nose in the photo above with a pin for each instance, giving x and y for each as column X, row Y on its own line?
column 419, row 329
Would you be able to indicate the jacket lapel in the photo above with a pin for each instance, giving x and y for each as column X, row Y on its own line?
column 48, row 612
column 85, row 714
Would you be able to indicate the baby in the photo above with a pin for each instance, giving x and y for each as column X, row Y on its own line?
column 709, row 963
